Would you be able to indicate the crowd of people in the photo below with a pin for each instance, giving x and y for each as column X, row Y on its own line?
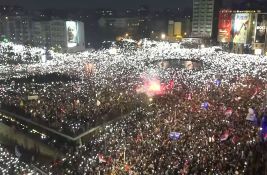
column 11, row 165
column 217, row 139
column 217, row 113
column 68, row 107
column 19, row 54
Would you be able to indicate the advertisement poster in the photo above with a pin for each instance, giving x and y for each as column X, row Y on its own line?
column 225, row 26
column 240, row 28
column 72, row 33
column 261, row 28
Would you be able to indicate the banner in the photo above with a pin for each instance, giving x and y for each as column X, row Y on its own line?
column 72, row 33
column 225, row 26
column 260, row 36
column 240, row 28
column 174, row 135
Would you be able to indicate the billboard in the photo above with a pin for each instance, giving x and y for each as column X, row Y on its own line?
column 72, row 33
column 225, row 26
column 241, row 27
column 260, row 36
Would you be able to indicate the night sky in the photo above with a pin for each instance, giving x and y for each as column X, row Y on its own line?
column 114, row 4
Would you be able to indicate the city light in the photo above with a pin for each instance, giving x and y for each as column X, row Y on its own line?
column 163, row 36
column 162, row 88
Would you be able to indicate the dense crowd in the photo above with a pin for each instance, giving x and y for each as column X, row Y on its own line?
column 68, row 107
column 217, row 112
column 11, row 165
column 217, row 139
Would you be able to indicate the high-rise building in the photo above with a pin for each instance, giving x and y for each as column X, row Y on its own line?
column 205, row 18
column 39, row 33
column 16, row 28
column 65, row 36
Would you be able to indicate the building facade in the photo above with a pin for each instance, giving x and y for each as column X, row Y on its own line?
column 114, row 28
column 260, row 36
column 205, row 18
column 174, row 30
column 65, row 36
column 61, row 35
column 203, row 13
column 16, row 28
column 178, row 29
column 243, row 31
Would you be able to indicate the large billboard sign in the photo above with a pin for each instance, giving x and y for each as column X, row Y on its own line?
column 72, row 33
column 261, row 27
column 241, row 27
column 225, row 26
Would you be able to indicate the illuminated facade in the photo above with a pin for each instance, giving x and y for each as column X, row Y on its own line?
column 174, row 30
column 242, row 30
column 260, row 39
column 64, row 36
column 225, row 26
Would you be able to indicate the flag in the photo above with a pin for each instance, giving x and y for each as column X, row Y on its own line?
column 234, row 140
column 251, row 116
column 101, row 158
column 62, row 110
column 189, row 96
column 218, row 82
column 185, row 168
column 225, row 135
column 265, row 137
column 171, row 84
column 127, row 168
column 109, row 160
column 255, row 93
column 264, row 127
column 228, row 112
column 205, row 105
column 174, row 135
column 139, row 137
